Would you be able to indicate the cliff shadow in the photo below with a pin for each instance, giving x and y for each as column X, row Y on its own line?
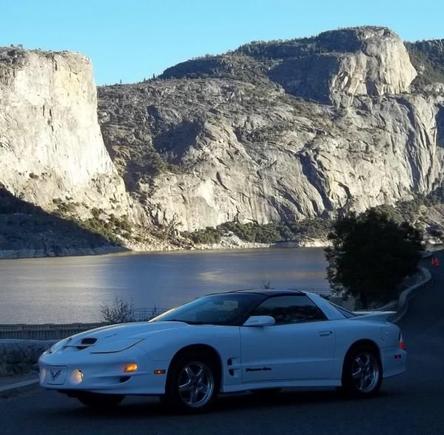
column 440, row 127
column 27, row 230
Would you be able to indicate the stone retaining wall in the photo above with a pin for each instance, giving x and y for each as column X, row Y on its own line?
column 19, row 356
column 45, row 331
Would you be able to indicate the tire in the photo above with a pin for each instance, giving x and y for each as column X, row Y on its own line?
column 100, row 401
column 362, row 372
column 192, row 383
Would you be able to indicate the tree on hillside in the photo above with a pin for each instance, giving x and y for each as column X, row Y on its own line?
column 371, row 254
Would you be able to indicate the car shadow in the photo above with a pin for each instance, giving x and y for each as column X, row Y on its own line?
column 285, row 398
column 143, row 407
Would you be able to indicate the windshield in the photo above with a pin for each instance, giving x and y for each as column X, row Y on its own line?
column 221, row 309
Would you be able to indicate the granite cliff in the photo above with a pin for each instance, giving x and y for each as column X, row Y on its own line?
column 280, row 131
column 52, row 158
column 51, row 148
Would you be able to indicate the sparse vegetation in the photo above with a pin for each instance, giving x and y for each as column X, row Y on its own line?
column 428, row 59
column 169, row 230
column 110, row 227
column 262, row 233
column 64, row 208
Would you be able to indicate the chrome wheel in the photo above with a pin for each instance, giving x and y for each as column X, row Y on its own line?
column 365, row 372
column 195, row 384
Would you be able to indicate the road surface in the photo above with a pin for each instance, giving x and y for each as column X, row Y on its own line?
column 410, row 404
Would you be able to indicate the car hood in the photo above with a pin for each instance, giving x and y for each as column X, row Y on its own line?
column 116, row 338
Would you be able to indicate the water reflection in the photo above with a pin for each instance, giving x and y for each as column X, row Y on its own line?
column 73, row 289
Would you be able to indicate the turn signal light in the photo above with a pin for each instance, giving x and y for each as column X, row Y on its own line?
column 130, row 368
column 402, row 344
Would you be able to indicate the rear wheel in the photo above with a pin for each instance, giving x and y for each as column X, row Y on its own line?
column 99, row 401
column 362, row 372
column 192, row 383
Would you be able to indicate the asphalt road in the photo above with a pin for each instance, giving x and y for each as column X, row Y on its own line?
column 409, row 404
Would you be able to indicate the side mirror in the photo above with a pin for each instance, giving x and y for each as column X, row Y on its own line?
column 260, row 321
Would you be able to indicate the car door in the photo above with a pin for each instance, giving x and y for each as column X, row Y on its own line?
column 299, row 347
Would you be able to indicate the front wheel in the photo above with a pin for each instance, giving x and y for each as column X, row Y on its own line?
column 192, row 383
column 362, row 373
column 99, row 401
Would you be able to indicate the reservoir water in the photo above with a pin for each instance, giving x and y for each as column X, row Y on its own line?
column 73, row 289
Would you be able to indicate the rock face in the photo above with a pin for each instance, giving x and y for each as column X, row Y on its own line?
column 51, row 148
column 332, row 67
column 273, row 131
column 380, row 66
column 277, row 131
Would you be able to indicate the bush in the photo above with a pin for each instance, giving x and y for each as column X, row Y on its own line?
column 252, row 231
column 118, row 312
column 371, row 254
column 209, row 235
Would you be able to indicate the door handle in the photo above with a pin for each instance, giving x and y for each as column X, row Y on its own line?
column 325, row 333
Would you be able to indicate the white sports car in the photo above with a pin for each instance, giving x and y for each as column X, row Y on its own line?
column 228, row 342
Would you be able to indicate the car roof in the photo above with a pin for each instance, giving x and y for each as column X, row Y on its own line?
column 266, row 292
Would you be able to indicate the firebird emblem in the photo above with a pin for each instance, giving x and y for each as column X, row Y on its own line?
column 55, row 373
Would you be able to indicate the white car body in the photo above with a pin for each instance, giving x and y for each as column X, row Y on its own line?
column 304, row 355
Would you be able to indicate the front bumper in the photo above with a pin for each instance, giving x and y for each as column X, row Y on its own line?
column 101, row 373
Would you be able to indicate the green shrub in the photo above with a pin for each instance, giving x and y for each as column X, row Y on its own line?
column 262, row 233
column 371, row 254
column 208, row 235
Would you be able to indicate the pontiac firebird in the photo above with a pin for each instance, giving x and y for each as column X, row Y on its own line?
column 255, row 340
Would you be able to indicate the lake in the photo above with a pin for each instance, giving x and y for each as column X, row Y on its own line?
column 72, row 289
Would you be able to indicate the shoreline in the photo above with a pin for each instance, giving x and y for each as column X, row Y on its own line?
column 17, row 254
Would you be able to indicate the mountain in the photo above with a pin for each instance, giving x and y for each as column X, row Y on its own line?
column 271, row 133
column 282, row 130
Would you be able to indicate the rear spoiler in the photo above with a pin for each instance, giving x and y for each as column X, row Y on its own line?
column 375, row 316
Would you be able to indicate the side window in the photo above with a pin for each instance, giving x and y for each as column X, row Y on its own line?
column 290, row 309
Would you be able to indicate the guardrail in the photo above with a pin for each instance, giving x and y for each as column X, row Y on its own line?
column 51, row 331
column 44, row 332
column 144, row 314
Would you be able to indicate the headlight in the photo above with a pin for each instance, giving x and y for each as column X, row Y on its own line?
column 76, row 377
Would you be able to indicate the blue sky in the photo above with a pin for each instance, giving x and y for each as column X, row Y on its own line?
column 129, row 40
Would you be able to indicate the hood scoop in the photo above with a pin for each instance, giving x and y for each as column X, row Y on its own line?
column 83, row 344
column 88, row 341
